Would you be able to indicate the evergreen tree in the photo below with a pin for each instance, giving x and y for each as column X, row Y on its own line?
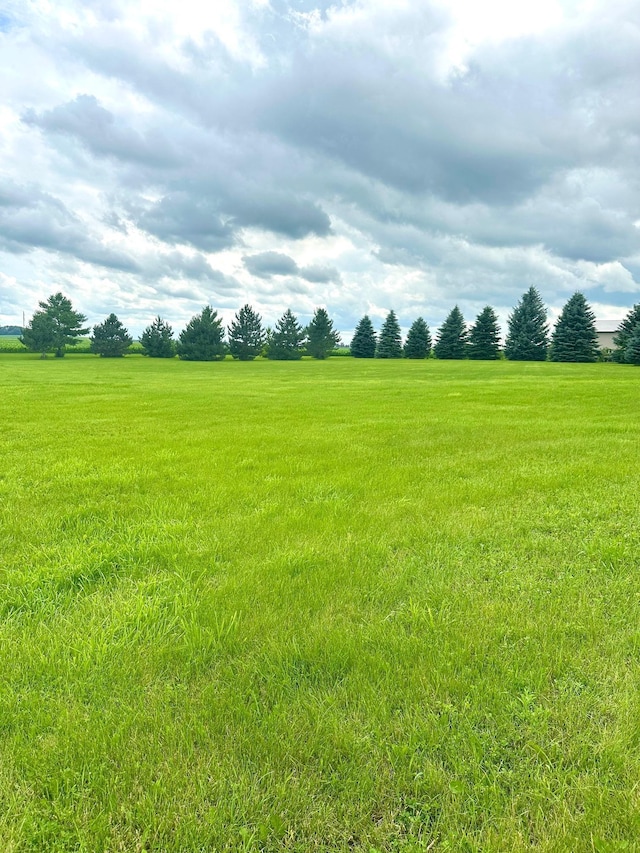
column 157, row 340
column 574, row 336
column 203, row 338
column 64, row 323
column 363, row 343
column 484, row 336
column 624, row 332
column 528, row 333
column 632, row 354
column 322, row 338
column 39, row 335
column 452, row 337
column 390, row 339
column 418, row 343
column 287, row 339
column 246, row 335
column 110, row 339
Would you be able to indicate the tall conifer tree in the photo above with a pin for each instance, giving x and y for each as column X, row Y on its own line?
column 484, row 336
column 157, row 340
column 322, row 338
column 390, row 338
column 451, row 341
column 528, row 332
column 56, row 320
column 632, row 354
column 287, row 339
column 363, row 343
column 418, row 343
column 246, row 335
column 110, row 339
column 624, row 332
column 574, row 336
column 203, row 338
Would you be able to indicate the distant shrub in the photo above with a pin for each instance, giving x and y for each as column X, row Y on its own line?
column 605, row 354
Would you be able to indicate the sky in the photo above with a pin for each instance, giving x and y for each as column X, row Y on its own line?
column 159, row 156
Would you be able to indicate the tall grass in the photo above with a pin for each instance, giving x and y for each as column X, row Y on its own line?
column 343, row 605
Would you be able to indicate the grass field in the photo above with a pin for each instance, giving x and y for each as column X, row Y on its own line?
column 341, row 606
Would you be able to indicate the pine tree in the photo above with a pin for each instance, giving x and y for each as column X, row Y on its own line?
column 390, row 339
column 157, row 340
column 484, row 336
column 63, row 322
column 632, row 354
column 246, row 335
column 574, row 336
column 452, row 337
column 418, row 343
column 528, row 333
column 363, row 343
column 203, row 338
column 322, row 338
column 110, row 339
column 624, row 332
column 39, row 335
column 287, row 339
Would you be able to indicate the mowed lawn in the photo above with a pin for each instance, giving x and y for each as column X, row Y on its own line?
column 343, row 606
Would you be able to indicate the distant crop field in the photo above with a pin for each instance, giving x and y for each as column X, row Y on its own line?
column 11, row 343
column 335, row 606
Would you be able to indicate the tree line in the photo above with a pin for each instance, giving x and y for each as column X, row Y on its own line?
column 56, row 325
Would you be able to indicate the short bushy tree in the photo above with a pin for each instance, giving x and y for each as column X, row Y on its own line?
column 418, row 343
column 322, row 338
column 451, row 342
column 39, row 335
column 203, row 338
column 110, row 339
column 64, row 324
column 390, row 338
column 363, row 343
column 624, row 332
column 574, row 336
column 246, row 335
column 528, row 332
column 157, row 340
column 484, row 336
column 287, row 339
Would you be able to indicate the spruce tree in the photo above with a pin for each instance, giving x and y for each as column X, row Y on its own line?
column 574, row 336
column 322, row 338
column 390, row 338
column 418, row 343
column 528, row 333
column 39, row 335
column 363, row 343
column 62, row 321
column 203, row 338
column 452, row 337
column 246, row 335
column 157, row 340
column 632, row 354
column 110, row 339
column 624, row 332
column 484, row 336
column 287, row 339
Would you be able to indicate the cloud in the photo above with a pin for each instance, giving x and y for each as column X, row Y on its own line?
column 268, row 264
column 361, row 155
column 31, row 218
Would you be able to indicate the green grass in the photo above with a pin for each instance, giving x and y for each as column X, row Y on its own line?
column 333, row 606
